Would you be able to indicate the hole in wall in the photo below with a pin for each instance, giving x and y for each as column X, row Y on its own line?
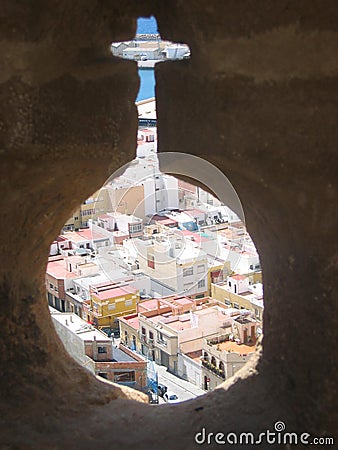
column 161, row 273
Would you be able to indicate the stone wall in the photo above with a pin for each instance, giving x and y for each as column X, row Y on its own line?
column 259, row 100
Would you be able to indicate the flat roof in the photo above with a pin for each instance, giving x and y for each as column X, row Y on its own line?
column 114, row 292
column 196, row 236
column 238, row 277
column 179, row 325
column 183, row 301
column 58, row 269
column 88, row 234
column 133, row 321
column 231, row 346
column 196, row 355
column 73, row 236
column 120, row 356
column 79, row 327
column 92, row 280
column 149, row 305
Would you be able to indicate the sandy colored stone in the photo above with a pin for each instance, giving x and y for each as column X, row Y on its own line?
column 259, row 100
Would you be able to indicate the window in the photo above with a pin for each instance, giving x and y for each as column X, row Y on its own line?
column 187, row 286
column 134, row 228
column 50, row 299
column 188, row 271
column 87, row 212
column 103, row 375
column 128, row 302
column 151, row 335
column 102, row 349
column 143, row 331
column 111, row 306
column 201, row 284
column 229, row 283
column 227, row 302
column 161, row 338
column 121, row 377
column 200, row 268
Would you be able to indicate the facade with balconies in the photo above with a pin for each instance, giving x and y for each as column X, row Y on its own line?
column 224, row 355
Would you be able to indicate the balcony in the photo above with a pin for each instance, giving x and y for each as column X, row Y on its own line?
column 161, row 342
column 218, row 372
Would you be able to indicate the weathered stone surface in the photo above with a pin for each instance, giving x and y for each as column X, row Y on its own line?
column 259, row 100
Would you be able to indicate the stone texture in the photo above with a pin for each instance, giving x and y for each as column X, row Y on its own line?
column 259, row 100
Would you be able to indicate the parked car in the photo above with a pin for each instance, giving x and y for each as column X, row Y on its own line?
column 161, row 389
column 169, row 397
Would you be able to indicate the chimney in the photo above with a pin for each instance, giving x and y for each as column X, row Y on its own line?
column 66, row 323
column 71, row 319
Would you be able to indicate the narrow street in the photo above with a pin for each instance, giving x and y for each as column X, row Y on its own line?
column 182, row 388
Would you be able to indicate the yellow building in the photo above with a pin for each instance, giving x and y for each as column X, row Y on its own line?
column 99, row 203
column 217, row 272
column 237, row 292
column 108, row 302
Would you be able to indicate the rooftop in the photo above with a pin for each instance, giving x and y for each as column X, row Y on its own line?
column 88, row 234
column 196, row 237
column 232, row 346
column 114, row 292
column 82, row 329
column 73, row 236
column 196, row 355
column 57, row 269
column 237, row 277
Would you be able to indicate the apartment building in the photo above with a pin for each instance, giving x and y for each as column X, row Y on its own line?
column 94, row 350
column 239, row 292
column 225, row 354
column 95, row 205
column 108, row 301
column 173, row 261
column 60, row 273
column 164, row 327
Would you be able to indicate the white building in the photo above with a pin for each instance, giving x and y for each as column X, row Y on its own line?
column 176, row 51
column 146, row 142
column 160, row 192
column 142, row 52
column 173, row 261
